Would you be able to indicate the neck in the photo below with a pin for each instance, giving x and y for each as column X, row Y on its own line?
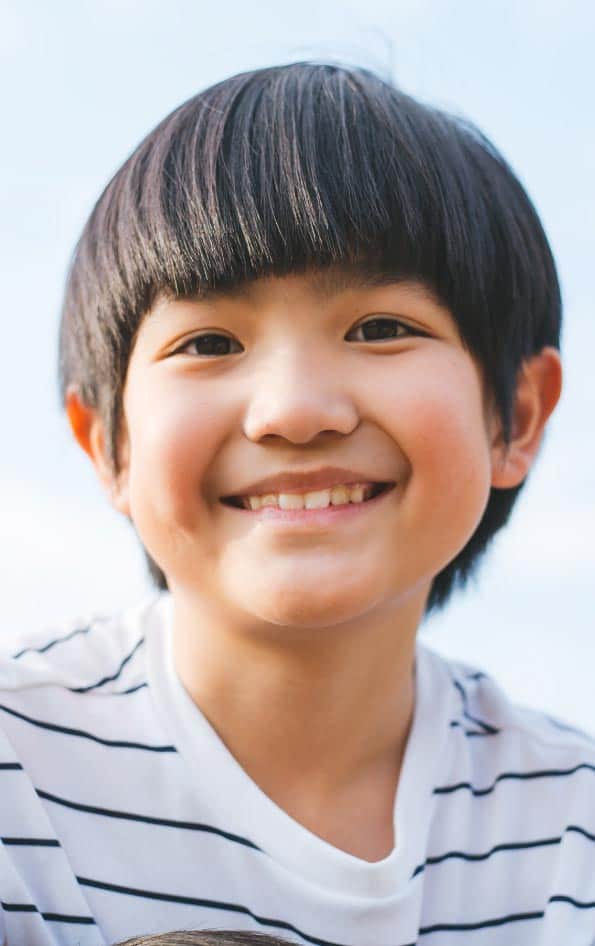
column 283, row 702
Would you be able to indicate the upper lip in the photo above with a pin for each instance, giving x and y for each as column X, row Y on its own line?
column 306, row 481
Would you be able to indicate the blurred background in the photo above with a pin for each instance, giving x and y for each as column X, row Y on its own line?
column 83, row 82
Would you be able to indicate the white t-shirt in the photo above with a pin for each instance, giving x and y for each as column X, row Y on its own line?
column 122, row 812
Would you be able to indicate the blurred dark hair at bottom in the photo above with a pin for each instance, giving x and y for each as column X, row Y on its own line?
column 205, row 938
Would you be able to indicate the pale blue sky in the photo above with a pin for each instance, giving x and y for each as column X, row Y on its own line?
column 83, row 82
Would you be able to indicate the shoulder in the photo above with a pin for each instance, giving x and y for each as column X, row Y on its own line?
column 99, row 653
column 485, row 710
column 516, row 772
column 496, row 736
column 74, row 703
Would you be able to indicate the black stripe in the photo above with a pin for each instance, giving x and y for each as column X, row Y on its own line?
column 512, row 846
column 50, row 917
column 10, row 766
column 68, row 918
column 519, row 776
column 209, row 904
column 482, row 924
column 122, row 744
column 147, row 819
column 479, row 722
column 31, row 842
column 139, row 686
column 565, row 727
column 578, row 830
column 462, row 855
column 18, row 907
column 455, row 724
column 581, row 904
column 113, row 676
column 50, row 644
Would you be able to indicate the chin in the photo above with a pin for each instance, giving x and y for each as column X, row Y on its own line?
column 301, row 607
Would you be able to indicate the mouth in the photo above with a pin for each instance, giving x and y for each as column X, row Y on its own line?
column 334, row 497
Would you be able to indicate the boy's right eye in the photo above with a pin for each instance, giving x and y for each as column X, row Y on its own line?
column 209, row 344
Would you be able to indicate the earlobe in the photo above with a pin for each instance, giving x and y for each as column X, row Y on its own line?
column 89, row 431
column 537, row 392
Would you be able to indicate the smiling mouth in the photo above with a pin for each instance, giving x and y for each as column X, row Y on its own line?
column 341, row 495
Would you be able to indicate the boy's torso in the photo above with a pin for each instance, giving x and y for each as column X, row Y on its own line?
column 122, row 812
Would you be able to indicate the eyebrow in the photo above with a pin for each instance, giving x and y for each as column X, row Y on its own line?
column 341, row 279
column 335, row 280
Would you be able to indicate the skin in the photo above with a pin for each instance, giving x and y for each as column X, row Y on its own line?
column 322, row 622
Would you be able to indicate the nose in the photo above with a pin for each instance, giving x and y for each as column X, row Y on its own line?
column 296, row 397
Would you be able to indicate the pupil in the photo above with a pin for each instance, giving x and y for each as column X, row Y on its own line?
column 379, row 328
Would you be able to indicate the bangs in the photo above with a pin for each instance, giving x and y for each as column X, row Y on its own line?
column 286, row 171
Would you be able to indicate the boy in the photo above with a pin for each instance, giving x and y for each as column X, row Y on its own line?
column 309, row 342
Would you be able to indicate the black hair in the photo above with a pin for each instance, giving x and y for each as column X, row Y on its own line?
column 306, row 166
column 205, row 938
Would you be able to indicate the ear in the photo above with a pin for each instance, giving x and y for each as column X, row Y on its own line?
column 89, row 431
column 539, row 383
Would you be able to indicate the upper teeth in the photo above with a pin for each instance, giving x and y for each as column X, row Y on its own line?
column 317, row 499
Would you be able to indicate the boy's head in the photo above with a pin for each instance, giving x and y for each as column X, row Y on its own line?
column 298, row 171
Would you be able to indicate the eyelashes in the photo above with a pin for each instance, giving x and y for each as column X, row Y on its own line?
column 383, row 327
column 216, row 342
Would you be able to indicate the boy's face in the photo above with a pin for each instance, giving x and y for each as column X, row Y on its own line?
column 293, row 375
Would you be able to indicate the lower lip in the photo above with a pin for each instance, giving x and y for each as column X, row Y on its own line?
column 330, row 515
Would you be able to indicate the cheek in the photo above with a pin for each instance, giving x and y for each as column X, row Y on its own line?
column 172, row 443
column 450, row 442
column 440, row 427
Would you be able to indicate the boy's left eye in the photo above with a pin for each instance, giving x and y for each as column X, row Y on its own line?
column 209, row 344
column 380, row 328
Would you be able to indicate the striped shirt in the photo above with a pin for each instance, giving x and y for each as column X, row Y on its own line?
column 122, row 812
